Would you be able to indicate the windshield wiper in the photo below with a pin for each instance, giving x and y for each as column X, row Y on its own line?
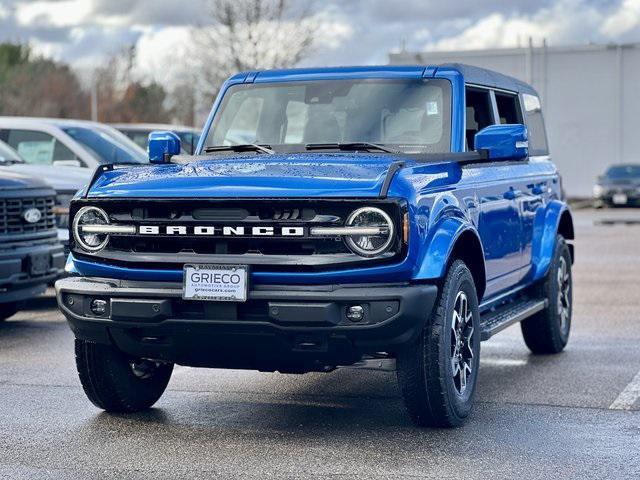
column 247, row 147
column 350, row 146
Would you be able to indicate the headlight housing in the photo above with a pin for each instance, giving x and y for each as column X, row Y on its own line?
column 373, row 244
column 91, row 242
column 598, row 190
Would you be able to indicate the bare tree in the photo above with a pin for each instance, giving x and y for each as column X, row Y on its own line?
column 252, row 34
column 182, row 103
column 112, row 80
column 123, row 98
column 34, row 86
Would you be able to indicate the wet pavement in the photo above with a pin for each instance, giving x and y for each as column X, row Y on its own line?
column 574, row 415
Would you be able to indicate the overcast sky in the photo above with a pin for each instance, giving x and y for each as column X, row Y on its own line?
column 84, row 32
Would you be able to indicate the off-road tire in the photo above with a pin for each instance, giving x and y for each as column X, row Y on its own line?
column 425, row 369
column 109, row 381
column 545, row 332
column 7, row 310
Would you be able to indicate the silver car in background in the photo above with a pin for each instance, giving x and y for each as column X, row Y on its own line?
column 139, row 133
column 64, row 153
column 58, row 142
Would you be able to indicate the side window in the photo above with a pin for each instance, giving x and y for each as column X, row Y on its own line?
column 535, row 124
column 508, row 108
column 37, row 147
column 479, row 113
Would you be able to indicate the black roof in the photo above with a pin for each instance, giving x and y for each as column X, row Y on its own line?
column 489, row 78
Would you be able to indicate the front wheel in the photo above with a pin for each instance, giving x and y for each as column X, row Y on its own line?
column 117, row 383
column 437, row 375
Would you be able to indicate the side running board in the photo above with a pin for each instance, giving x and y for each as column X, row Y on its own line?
column 497, row 320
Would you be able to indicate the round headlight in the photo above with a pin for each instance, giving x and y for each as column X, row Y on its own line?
column 370, row 245
column 598, row 190
column 91, row 242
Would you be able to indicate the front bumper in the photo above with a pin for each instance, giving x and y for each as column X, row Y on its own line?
column 25, row 271
column 607, row 197
column 290, row 328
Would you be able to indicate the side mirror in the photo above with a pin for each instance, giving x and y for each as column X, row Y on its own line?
column 67, row 163
column 162, row 146
column 503, row 142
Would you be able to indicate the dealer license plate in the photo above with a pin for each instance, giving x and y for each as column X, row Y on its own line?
column 620, row 199
column 221, row 283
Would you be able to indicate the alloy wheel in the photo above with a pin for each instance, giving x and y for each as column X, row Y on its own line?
column 461, row 342
column 564, row 295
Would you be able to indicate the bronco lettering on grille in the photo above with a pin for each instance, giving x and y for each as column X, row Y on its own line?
column 222, row 231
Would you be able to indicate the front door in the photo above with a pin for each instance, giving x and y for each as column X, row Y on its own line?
column 500, row 229
column 498, row 195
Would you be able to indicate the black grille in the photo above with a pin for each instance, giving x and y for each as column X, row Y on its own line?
column 263, row 252
column 12, row 221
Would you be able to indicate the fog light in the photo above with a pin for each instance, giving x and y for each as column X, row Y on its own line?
column 98, row 307
column 355, row 313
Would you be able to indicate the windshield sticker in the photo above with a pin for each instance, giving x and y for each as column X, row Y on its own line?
column 432, row 108
column 37, row 152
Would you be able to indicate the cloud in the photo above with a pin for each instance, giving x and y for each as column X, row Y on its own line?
column 164, row 54
column 624, row 20
column 154, row 13
column 85, row 32
column 565, row 22
column 65, row 13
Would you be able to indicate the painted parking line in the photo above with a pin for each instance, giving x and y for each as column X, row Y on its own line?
column 503, row 362
column 628, row 396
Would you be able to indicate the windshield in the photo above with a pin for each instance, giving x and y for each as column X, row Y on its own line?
column 8, row 154
column 104, row 147
column 410, row 115
column 623, row 172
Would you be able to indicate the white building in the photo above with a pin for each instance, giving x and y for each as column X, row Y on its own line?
column 590, row 96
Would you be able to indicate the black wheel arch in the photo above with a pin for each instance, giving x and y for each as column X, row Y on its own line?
column 565, row 228
column 469, row 249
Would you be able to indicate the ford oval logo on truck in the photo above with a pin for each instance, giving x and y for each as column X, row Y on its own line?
column 32, row 215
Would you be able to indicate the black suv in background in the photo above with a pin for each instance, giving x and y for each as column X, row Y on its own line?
column 30, row 254
column 619, row 186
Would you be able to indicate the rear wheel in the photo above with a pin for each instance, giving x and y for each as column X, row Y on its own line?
column 7, row 310
column 437, row 375
column 548, row 330
column 116, row 382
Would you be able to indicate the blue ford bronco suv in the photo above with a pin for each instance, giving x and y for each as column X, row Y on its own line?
column 329, row 217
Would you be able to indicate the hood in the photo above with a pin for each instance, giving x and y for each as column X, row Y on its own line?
column 60, row 178
column 252, row 176
column 11, row 179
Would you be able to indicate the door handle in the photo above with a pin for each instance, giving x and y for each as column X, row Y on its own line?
column 512, row 194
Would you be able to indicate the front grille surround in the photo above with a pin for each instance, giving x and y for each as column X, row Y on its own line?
column 264, row 253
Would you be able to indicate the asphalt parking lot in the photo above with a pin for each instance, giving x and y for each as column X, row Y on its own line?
column 575, row 415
